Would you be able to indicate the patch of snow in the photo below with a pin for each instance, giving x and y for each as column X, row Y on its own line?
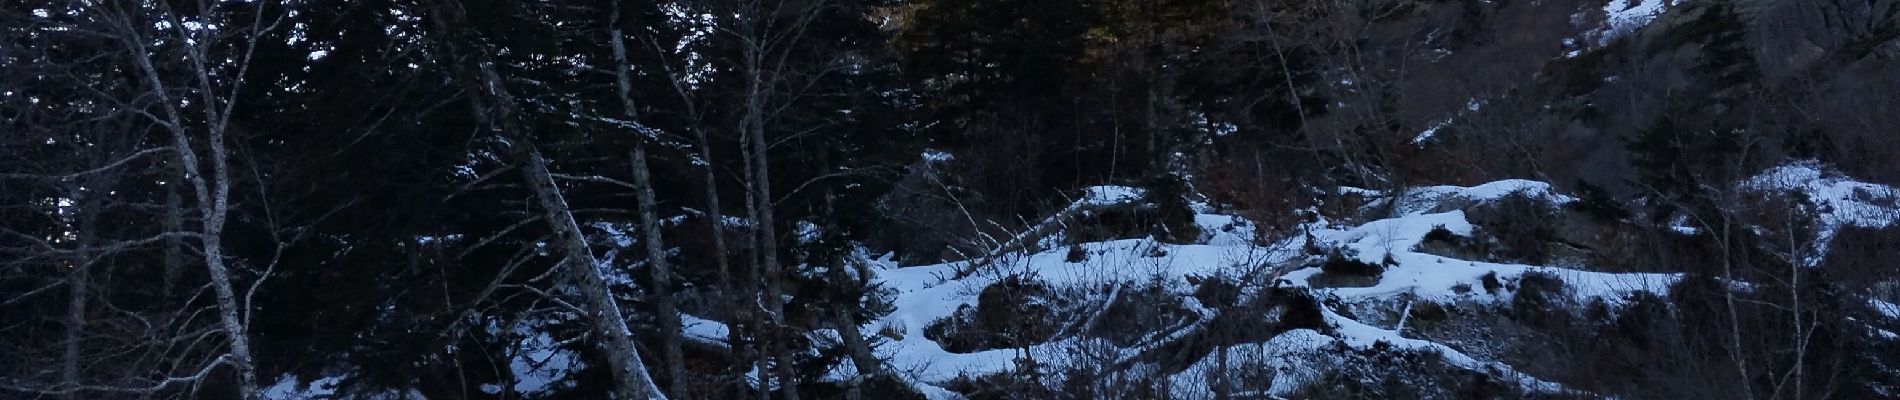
column 538, row 362
column 1425, row 199
column 925, row 294
column 1884, row 308
column 1296, row 358
column 1110, row 195
column 1427, row 134
column 703, row 330
column 937, row 156
column 1362, row 336
column 1441, row 279
column 288, row 387
column 807, row 232
column 1621, row 17
column 1840, row 201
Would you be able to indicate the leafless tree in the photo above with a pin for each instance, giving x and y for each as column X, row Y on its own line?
column 495, row 106
column 661, row 295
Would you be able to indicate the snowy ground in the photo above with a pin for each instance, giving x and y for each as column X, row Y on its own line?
column 1624, row 16
column 924, row 294
column 1839, row 201
column 927, row 293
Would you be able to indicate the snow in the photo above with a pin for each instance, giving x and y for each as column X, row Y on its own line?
column 1621, row 18
column 1427, row 134
column 1428, row 198
column 703, row 330
column 328, row 387
column 925, row 294
column 1290, row 356
column 1842, row 201
column 928, row 293
column 1362, row 336
column 1424, row 137
column 288, row 387
column 937, row 156
column 1890, row 310
column 1436, row 278
column 1110, row 195
column 539, row 363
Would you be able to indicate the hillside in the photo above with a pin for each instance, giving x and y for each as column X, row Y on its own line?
column 949, row 199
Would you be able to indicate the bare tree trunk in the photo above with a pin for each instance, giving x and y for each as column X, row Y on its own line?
column 174, row 247
column 754, row 123
column 850, row 333
column 79, row 284
column 1794, row 292
column 736, row 290
column 735, row 293
column 128, row 22
column 1728, row 298
column 77, row 292
column 1152, row 60
column 1223, row 390
column 761, row 327
column 213, row 218
column 608, row 323
column 662, row 295
column 213, row 196
column 733, row 290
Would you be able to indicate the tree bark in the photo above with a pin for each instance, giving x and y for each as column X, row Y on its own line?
column 609, row 324
column 174, row 247
column 764, row 225
column 736, row 292
column 496, row 107
column 850, row 333
column 662, row 293
column 76, row 292
column 213, row 194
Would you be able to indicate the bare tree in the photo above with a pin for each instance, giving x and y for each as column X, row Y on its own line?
column 662, row 295
column 199, row 143
column 495, row 106
column 767, row 34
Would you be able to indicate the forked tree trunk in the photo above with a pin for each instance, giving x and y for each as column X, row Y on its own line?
column 213, row 197
column 763, row 223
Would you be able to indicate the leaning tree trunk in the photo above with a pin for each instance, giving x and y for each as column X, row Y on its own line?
column 850, row 334
column 495, row 106
column 662, row 293
column 609, row 323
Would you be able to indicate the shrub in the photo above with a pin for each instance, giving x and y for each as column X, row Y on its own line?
column 1019, row 310
column 1426, row 311
column 1596, row 202
column 1523, row 226
column 1014, row 312
column 1863, row 257
column 1442, row 235
column 1173, row 218
column 1491, row 282
column 1141, row 309
column 1539, row 295
column 1339, row 264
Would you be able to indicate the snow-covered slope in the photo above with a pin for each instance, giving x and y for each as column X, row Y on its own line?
column 1621, row 17
column 1839, row 201
column 925, row 294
